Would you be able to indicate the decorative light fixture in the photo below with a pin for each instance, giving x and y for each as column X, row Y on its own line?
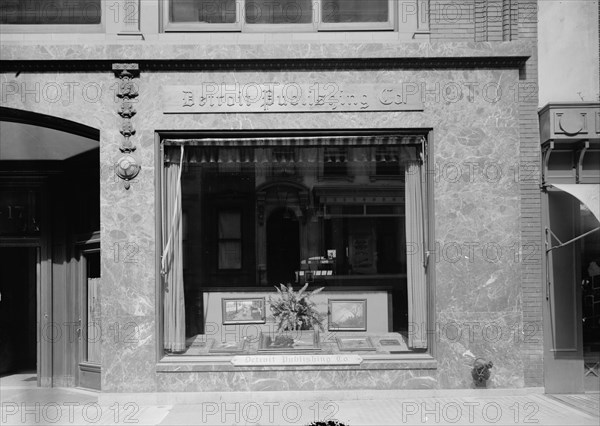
column 127, row 169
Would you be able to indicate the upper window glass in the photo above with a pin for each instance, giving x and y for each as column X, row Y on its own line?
column 50, row 12
column 203, row 11
column 279, row 12
column 355, row 10
column 265, row 15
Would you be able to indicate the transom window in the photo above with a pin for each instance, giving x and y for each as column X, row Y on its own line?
column 271, row 15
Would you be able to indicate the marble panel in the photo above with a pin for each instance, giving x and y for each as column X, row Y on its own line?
column 297, row 380
column 128, row 354
column 462, row 337
column 475, row 141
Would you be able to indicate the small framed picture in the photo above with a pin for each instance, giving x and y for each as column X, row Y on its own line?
column 290, row 341
column 350, row 343
column 244, row 311
column 235, row 347
column 347, row 315
column 393, row 344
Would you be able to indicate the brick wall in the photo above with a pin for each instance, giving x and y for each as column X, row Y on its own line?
column 452, row 20
column 474, row 20
column 531, row 227
column 510, row 10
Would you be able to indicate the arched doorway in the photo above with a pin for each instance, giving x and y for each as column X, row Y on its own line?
column 283, row 246
column 49, row 215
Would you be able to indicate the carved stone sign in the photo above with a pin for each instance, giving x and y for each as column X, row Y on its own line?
column 217, row 98
column 295, row 359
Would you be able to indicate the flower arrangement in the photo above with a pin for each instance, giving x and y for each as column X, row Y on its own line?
column 295, row 310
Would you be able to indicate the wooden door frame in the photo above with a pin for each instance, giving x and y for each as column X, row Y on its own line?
column 84, row 246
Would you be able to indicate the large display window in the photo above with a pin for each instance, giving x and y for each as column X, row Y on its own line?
column 244, row 215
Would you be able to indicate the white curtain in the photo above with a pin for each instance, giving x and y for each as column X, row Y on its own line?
column 415, row 263
column 172, row 261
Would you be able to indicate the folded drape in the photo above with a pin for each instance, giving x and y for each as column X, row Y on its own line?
column 415, row 266
column 174, row 301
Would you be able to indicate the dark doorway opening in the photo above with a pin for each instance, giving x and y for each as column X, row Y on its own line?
column 283, row 246
column 590, row 293
column 18, row 310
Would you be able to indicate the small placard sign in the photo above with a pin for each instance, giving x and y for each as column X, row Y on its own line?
column 295, row 359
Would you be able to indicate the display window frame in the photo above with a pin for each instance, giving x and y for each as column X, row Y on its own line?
column 425, row 353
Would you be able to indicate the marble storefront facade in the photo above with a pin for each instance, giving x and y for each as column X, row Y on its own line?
column 475, row 101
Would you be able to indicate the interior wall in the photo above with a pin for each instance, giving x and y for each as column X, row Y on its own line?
column 377, row 312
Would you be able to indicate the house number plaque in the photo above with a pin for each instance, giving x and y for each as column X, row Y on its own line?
column 216, row 98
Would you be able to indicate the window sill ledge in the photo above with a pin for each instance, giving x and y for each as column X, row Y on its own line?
column 212, row 363
column 91, row 367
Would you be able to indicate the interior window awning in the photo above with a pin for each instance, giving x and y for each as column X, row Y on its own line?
column 589, row 195
column 302, row 141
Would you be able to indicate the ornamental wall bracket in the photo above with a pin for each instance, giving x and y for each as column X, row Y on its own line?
column 127, row 167
column 127, row 92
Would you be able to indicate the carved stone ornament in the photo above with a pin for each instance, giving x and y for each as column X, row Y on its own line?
column 127, row 130
column 127, row 88
column 127, row 110
column 571, row 122
column 127, row 169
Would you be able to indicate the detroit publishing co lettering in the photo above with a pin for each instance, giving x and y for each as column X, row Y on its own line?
column 297, row 359
column 288, row 97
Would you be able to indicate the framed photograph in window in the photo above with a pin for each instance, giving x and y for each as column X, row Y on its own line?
column 244, row 311
column 350, row 343
column 290, row 341
column 347, row 315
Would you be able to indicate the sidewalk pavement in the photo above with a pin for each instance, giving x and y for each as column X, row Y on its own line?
column 22, row 402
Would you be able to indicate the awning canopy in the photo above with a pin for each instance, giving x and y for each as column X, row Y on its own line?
column 588, row 194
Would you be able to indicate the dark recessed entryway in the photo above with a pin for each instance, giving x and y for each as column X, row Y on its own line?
column 18, row 309
column 283, row 246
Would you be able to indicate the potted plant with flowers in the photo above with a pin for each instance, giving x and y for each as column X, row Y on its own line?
column 297, row 318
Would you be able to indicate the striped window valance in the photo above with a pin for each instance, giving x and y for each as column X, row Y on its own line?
column 266, row 155
column 300, row 141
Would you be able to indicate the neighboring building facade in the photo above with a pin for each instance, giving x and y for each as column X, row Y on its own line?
column 570, row 138
column 388, row 153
